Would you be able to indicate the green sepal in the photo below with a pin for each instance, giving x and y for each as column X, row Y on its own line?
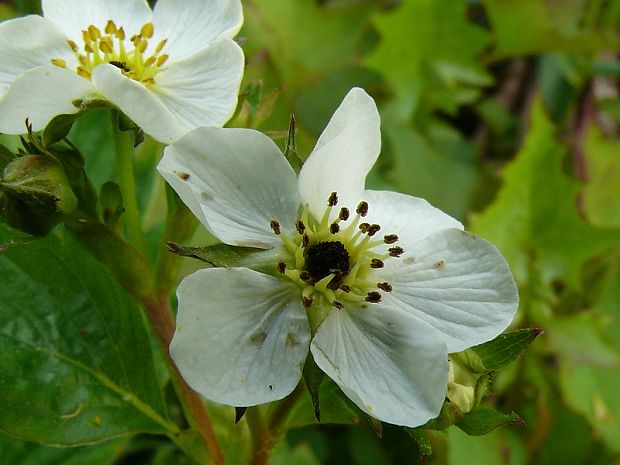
column 6, row 156
column 448, row 415
column 313, row 377
column 124, row 123
column 505, row 348
column 424, row 444
column 227, row 256
column 254, row 108
column 111, row 205
column 377, row 426
column 58, row 128
column 34, row 194
column 239, row 413
column 484, row 420
column 290, row 150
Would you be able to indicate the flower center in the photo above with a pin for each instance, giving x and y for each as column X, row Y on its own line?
column 111, row 46
column 337, row 262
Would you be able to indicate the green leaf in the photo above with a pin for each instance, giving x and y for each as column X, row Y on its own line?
column 225, row 256
column 484, row 420
column 601, row 194
column 422, row 441
column 111, row 205
column 16, row 452
column 6, row 157
column 58, row 128
column 75, row 359
column 505, row 348
column 428, row 54
column 534, row 217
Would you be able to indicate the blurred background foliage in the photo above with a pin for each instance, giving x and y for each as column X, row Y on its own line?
column 504, row 113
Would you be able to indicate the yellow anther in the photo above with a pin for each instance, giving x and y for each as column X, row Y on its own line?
column 142, row 46
column 83, row 72
column 110, row 27
column 59, row 62
column 149, row 61
column 86, row 37
column 73, row 45
column 147, row 30
column 105, row 46
column 83, row 60
column 161, row 45
column 162, row 59
column 94, row 33
column 120, row 34
column 88, row 48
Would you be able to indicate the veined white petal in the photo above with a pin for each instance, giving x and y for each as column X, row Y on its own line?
column 344, row 154
column 39, row 95
column 190, row 25
column 138, row 103
column 411, row 218
column 238, row 178
column 27, row 43
column 242, row 337
column 202, row 89
column 457, row 283
column 74, row 16
column 392, row 367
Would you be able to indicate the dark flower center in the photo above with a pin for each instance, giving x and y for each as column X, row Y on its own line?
column 325, row 258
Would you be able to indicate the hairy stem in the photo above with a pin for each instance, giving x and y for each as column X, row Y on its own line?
column 124, row 161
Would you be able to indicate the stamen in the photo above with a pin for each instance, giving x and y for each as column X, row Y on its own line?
column 334, row 228
column 362, row 208
column 364, row 227
column 332, row 201
column 396, row 251
column 110, row 27
column 305, row 276
column 307, row 301
column 147, row 30
column 373, row 297
column 345, row 288
column 390, row 238
column 59, row 62
column 385, row 286
column 305, row 240
column 376, row 263
column 373, row 229
column 300, row 226
column 282, row 267
column 275, row 226
column 337, row 304
column 344, row 214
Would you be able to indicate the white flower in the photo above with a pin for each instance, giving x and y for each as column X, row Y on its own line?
column 170, row 69
column 390, row 284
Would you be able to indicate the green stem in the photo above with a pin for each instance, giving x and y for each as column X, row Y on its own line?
column 126, row 180
column 263, row 440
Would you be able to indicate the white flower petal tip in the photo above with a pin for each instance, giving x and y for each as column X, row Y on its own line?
column 241, row 337
column 170, row 70
column 391, row 367
column 236, row 181
column 457, row 283
column 344, row 154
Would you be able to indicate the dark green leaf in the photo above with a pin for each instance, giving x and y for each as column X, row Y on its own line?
column 484, row 420
column 75, row 359
column 505, row 348
column 58, row 128
column 111, row 204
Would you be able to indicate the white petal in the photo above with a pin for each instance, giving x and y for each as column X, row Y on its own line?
column 202, row 90
column 384, row 361
column 411, row 218
column 190, row 25
column 74, row 16
column 238, row 178
column 457, row 283
column 138, row 103
column 39, row 95
column 344, row 154
column 28, row 43
column 242, row 337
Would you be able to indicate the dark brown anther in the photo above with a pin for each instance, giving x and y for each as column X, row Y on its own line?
column 337, row 304
column 373, row 297
column 344, row 214
column 364, row 227
column 345, row 288
column 390, row 238
column 275, row 226
column 396, row 251
column 305, row 276
column 334, row 228
column 362, row 208
column 305, row 240
column 387, row 287
column 332, row 200
column 308, row 302
column 282, row 267
column 300, row 226
column 373, row 229
column 376, row 263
